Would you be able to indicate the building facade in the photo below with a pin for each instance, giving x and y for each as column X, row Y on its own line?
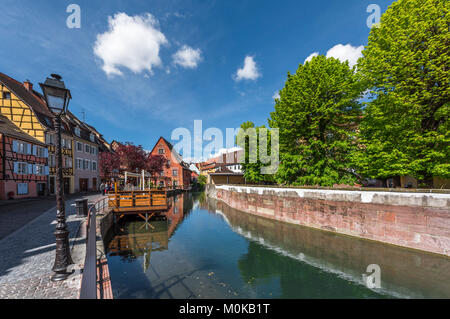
column 86, row 150
column 27, row 109
column 23, row 167
column 176, row 173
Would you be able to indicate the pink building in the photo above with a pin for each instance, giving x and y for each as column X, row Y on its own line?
column 23, row 163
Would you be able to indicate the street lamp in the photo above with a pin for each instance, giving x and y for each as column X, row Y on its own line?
column 57, row 97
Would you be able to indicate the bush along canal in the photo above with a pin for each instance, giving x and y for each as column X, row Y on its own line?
column 203, row 248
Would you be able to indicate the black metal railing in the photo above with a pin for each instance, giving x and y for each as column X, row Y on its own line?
column 89, row 280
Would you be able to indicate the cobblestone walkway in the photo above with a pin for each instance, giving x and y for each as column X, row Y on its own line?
column 28, row 254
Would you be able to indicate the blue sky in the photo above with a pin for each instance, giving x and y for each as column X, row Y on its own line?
column 213, row 39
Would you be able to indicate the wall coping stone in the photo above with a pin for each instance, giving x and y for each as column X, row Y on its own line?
column 435, row 200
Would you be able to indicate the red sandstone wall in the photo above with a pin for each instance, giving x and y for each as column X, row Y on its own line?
column 419, row 227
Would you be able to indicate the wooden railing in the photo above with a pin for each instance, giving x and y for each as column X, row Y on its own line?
column 140, row 200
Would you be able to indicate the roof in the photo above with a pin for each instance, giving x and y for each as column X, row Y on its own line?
column 177, row 156
column 10, row 129
column 85, row 131
column 34, row 100
column 31, row 98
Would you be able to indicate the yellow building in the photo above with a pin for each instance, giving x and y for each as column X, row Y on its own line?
column 27, row 109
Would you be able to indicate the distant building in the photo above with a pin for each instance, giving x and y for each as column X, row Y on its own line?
column 86, row 150
column 23, row 166
column 225, row 168
column 176, row 173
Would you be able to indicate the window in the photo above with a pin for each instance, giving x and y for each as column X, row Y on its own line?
column 39, row 169
column 86, row 164
column 21, row 147
column 87, row 148
column 48, row 121
column 161, row 151
column 22, row 188
column 94, row 166
column 7, row 95
column 67, row 162
column 41, row 152
column 51, row 160
column 92, row 137
column 77, row 131
column 175, row 172
column 63, row 143
column 49, row 139
column 79, row 163
column 93, row 150
column 22, row 168
column 79, row 147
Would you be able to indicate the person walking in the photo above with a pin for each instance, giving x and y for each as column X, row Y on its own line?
column 102, row 188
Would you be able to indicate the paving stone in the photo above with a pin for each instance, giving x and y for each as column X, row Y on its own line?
column 28, row 255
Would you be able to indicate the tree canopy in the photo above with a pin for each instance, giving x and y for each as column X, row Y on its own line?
column 405, row 67
column 317, row 114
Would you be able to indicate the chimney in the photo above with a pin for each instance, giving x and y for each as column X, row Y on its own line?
column 28, row 85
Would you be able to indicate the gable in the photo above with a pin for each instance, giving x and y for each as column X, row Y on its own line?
column 18, row 112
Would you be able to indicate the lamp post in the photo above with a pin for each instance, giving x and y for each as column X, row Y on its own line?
column 57, row 98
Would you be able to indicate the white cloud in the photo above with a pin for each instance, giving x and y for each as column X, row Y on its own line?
column 312, row 55
column 343, row 53
column 130, row 42
column 249, row 71
column 276, row 95
column 346, row 53
column 187, row 57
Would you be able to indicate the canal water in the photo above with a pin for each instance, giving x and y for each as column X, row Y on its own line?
column 204, row 249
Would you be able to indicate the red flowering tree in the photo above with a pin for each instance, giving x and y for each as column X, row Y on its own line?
column 131, row 157
column 108, row 163
column 155, row 164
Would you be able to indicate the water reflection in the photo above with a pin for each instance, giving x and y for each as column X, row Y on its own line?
column 204, row 249
column 404, row 272
column 137, row 238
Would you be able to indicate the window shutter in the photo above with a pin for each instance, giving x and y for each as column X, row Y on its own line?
column 16, row 167
column 30, row 169
column 29, row 149
column 34, row 150
column 45, row 153
column 15, row 146
column 46, row 170
column 35, row 169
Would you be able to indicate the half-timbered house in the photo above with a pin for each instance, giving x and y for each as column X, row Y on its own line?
column 23, row 166
column 27, row 109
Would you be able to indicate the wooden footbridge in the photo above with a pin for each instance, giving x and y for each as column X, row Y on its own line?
column 144, row 203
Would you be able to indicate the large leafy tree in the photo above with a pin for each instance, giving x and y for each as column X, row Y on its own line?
column 405, row 66
column 317, row 115
column 251, row 163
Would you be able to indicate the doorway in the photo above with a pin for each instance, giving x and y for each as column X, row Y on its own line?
column 84, row 184
column 66, row 183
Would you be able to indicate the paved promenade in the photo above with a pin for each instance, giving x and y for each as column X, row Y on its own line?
column 28, row 254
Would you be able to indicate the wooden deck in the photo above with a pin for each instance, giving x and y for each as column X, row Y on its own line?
column 137, row 202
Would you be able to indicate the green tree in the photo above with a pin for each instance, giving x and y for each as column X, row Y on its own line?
column 317, row 115
column 405, row 66
column 252, row 164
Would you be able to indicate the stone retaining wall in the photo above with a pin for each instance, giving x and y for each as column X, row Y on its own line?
column 413, row 220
